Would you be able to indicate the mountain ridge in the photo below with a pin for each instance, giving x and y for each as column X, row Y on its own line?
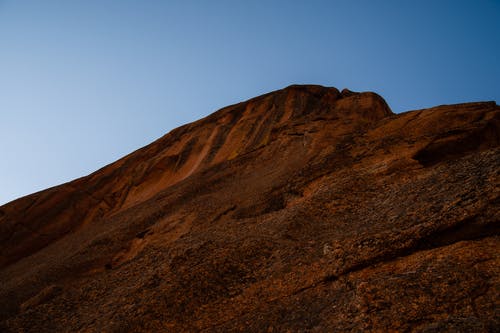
column 236, row 111
column 293, row 210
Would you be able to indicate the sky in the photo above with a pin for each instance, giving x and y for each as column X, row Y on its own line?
column 85, row 82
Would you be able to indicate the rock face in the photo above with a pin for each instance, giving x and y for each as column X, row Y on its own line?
column 305, row 209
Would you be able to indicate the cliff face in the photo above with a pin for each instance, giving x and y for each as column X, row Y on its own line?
column 305, row 209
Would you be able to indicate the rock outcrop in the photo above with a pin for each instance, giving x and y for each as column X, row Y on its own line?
column 305, row 209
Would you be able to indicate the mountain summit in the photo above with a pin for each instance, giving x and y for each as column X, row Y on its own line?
column 304, row 209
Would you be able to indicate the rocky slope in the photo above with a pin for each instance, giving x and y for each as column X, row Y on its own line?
column 305, row 209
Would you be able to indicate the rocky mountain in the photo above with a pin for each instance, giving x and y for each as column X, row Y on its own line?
column 303, row 210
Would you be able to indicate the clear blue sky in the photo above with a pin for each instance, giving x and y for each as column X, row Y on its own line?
column 84, row 82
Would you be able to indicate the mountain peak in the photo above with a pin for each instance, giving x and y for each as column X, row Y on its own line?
column 309, row 102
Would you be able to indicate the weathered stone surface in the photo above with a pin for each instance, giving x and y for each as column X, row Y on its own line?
column 305, row 209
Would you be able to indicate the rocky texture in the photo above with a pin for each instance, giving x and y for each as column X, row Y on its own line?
column 306, row 209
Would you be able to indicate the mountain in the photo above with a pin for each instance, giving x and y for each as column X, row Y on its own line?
column 305, row 209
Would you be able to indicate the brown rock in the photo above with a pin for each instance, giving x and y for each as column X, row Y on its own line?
column 304, row 209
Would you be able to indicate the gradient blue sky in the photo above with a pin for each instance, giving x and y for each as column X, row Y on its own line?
column 84, row 82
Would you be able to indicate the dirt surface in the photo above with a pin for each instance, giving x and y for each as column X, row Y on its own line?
column 303, row 210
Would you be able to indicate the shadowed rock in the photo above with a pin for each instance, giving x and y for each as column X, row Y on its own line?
column 305, row 209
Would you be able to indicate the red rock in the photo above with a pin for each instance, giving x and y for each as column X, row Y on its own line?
column 304, row 209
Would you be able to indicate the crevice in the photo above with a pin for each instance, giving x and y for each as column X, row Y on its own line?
column 224, row 213
column 185, row 153
column 143, row 233
column 457, row 143
column 463, row 231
